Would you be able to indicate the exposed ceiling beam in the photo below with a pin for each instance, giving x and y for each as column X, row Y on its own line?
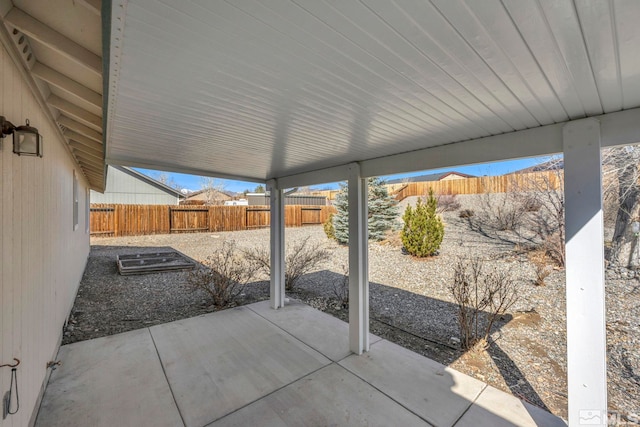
column 83, row 139
column 87, row 161
column 94, row 152
column 80, row 128
column 86, row 154
column 53, row 39
column 92, row 146
column 93, row 172
column 75, row 112
column 63, row 82
column 85, row 157
column 95, row 183
column 337, row 173
column 93, row 177
column 94, row 6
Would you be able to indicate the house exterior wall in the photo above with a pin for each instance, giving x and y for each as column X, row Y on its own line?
column 42, row 256
column 124, row 189
column 258, row 199
column 217, row 197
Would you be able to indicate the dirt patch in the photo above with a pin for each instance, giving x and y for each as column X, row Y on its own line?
column 525, row 318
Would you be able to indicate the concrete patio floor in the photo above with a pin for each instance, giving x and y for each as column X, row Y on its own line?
column 254, row 366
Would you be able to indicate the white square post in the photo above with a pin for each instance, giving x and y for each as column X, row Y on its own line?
column 586, row 316
column 358, row 262
column 276, row 201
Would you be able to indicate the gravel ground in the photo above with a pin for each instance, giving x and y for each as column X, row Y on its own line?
column 409, row 304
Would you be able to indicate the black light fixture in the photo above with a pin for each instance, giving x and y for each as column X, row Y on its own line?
column 26, row 139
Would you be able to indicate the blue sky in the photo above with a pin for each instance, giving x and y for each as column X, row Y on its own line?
column 192, row 182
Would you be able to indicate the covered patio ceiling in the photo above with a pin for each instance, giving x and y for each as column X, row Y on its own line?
column 268, row 89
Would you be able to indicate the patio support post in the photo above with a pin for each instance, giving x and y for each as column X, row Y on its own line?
column 586, row 322
column 358, row 262
column 276, row 199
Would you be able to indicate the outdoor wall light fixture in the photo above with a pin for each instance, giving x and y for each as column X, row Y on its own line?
column 26, row 139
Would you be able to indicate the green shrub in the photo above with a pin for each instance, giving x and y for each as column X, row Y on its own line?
column 329, row 229
column 423, row 229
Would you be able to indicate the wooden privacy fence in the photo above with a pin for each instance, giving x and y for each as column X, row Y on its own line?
column 484, row 184
column 132, row 220
column 549, row 180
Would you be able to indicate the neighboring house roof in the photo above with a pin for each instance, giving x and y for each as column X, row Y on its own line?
column 429, row 178
column 199, row 192
column 550, row 165
column 149, row 180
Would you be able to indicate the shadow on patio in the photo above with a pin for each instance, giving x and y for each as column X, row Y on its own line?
column 255, row 366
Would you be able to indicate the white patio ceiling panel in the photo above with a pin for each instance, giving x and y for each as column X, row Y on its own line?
column 260, row 89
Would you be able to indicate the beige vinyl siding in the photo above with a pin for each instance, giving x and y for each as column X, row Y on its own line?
column 42, row 257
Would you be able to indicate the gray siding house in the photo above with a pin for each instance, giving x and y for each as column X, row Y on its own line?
column 128, row 187
column 261, row 199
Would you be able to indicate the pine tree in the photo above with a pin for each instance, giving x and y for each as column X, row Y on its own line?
column 423, row 229
column 382, row 211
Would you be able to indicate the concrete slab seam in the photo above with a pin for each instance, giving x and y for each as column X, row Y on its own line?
column 381, row 391
column 291, row 335
column 268, row 394
column 470, row 405
column 165, row 376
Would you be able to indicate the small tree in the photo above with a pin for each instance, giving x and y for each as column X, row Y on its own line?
column 213, row 190
column 329, row 230
column 259, row 189
column 382, row 211
column 423, row 229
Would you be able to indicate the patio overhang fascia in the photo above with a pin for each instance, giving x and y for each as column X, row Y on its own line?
column 619, row 128
column 168, row 167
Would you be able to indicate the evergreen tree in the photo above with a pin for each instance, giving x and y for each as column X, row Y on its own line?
column 382, row 211
column 423, row 229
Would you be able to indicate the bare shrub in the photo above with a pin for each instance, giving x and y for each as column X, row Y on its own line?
column 621, row 191
column 545, row 193
column 223, row 276
column 542, row 265
column 532, row 209
column 466, row 213
column 301, row 258
column 499, row 212
column 447, row 203
column 531, row 204
column 482, row 296
column 341, row 287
